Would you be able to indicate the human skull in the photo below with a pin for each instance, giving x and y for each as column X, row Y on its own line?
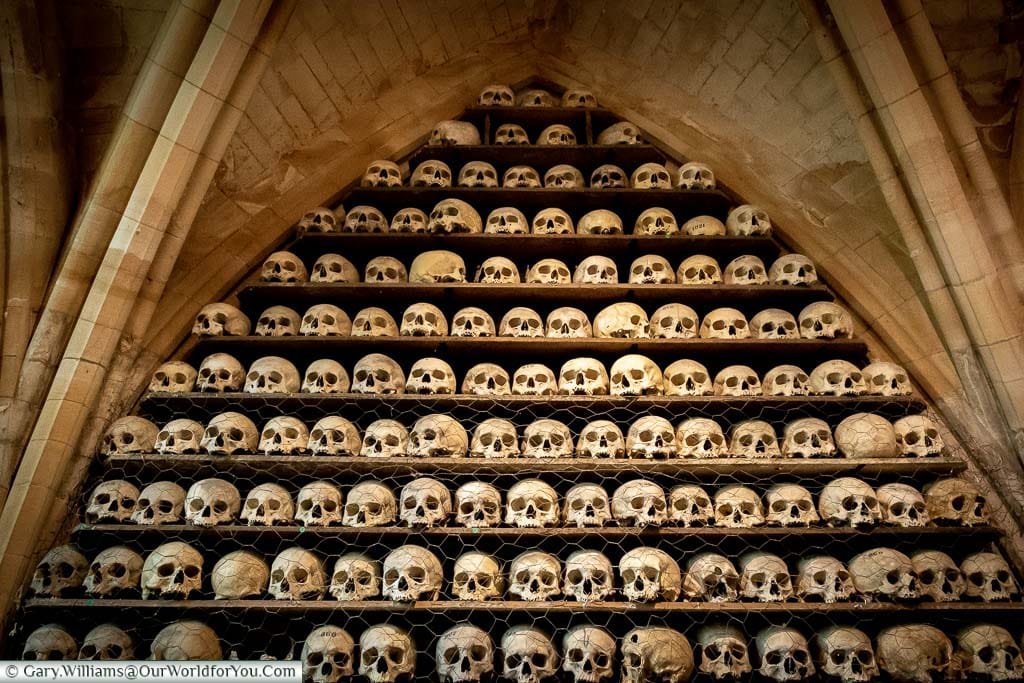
column 784, row 654
column 765, row 578
column 328, row 655
column 845, row 653
column 689, row 505
column 334, row 435
column 477, row 576
column 793, row 269
column 284, row 434
column 549, row 271
column 651, row 437
column 507, row 220
column 364, row 219
column 656, row 654
column 437, row 267
column 687, row 378
column 774, row 323
column 586, row 505
column 547, row 439
column 938, row 577
column 370, row 504
column 825, row 320
column 699, row 269
column 129, row 434
column 496, row 96
column 454, row 216
column 621, row 133
column 382, row 173
column 989, row 577
column 464, row 654
column 212, row 501
column 377, row 374
column 650, row 574
column 454, row 133
column 737, row 380
column 268, row 504
column 785, row 380
column 656, row 221
column 528, row 655
column 712, row 578
column 790, row 505
column 412, row 573
column 532, row 504
column 918, row 436
column 754, row 439
column 511, row 134
column 725, row 323
column 486, row 379
column 808, row 437
column 239, row 575
column 230, row 433
column 588, row 576
column 640, row 503
column 746, row 270
column 824, row 578
column 601, row 439
column 61, row 571
column 477, row 505
column 430, row 376
column 355, row 577
column 902, row 505
column 175, row 377
column 49, row 642
column 558, row 134
column 272, row 375
column 914, row 653
column 724, row 652
column 694, row 175
column 113, row 572
column 589, row 654
column 385, row 269
column 172, row 570
column 319, row 219
column 636, row 375
column 578, row 97
column 107, row 642
column 703, row 226
column 748, row 221
column 319, row 503
column 221, row 319
column 609, row 176
column 535, row 575
column 700, row 437
column 409, row 220
column 600, row 222
column 386, row 654
column 596, row 270
column 179, row 437
column 887, row 379
column 651, row 270
column 385, row 439
column 297, row 574
column 185, row 640
column 990, row 652
column 674, row 321
column 552, row 221
column 425, row 502
column 837, row 378
column 568, row 323
column 495, row 437
column 521, row 176
column 325, row 376
column 737, row 507
column 848, row 501
column 583, row 377
column 535, row 97
column 478, row 174
column 112, row 501
column 866, row 435
column 534, row 379
column 624, row 320
column 498, row 270
column 565, row 177
column 283, row 266
column 280, row 321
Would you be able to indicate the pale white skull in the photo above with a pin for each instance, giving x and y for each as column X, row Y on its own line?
column 552, row 221
column 587, row 505
column 884, row 574
column 297, row 574
column 319, row 503
column 674, row 321
column 650, row 574
column 640, row 503
column 989, row 651
column 212, row 501
column 724, row 652
column 496, row 96
column 825, row 579
column 268, row 504
column 528, row 655
column 175, row 377
column 754, row 439
column 651, row 437
column 955, row 501
column 186, row 640
column 725, row 323
column 230, row 433
column 451, row 132
column 808, row 437
column 866, row 435
column 464, row 654
column 902, row 505
column 596, row 270
column 365, row 219
column 703, row 226
column 283, row 266
column 382, row 173
column 328, row 655
column 320, row 219
column 130, row 434
column 272, row 375
column 334, row 268
column 601, row 439
column 486, row 379
column 386, row 654
column 112, row 501
column 430, row 376
column 774, row 323
column 507, row 220
column 534, row 379
column 568, row 323
column 737, row 507
column 624, row 320
column 547, row 439
column 377, row 374
column 558, row 134
column 887, row 379
column 478, row 174
column 114, row 571
column 689, row 505
column 825, row 320
column 221, row 319
column 355, row 577
column 746, row 270
column 284, row 434
column 765, row 578
column 747, row 220
column 848, row 501
column 656, row 654
column 535, row 576
column 425, row 502
column 477, row 505
column 915, row 653
column 609, row 176
column 385, row 269
column 938, row 577
column 784, row 654
column 532, row 504
column 179, row 437
column 785, row 380
column 61, row 570
column 694, row 175
column 370, row 504
column 49, row 642
column 588, row 576
column 326, row 376
column 621, row 133
column 790, row 505
column 454, row 216
column 845, row 654
column 521, row 176
column 107, row 642
column 385, row 438
column 589, row 654
column 374, row 322
column 172, row 570
column 700, row 437
column 279, row 321
column 712, row 578
column 477, row 576
column 687, row 378
column 409, row 220
column 600, row 222
column 737, row 380
column 495, row 437
column 636, row 375
column 699, row 269
column 989, row 578
column 549, row 271
column 793, row 269
column 578, row 97
column 334, row 435
column 837, row 378
column 918, row 436
column 651, row 270
column 498, row 270
column 437, row 267
column 565, row 177
column 521, row 322
column 535, row 97
column 583, row 377
column 511, row 134
column 239, row 575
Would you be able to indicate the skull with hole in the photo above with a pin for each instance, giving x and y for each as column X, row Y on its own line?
column 129, row 434
column 902, row 505
column 552, row 221
column 385, row 438
column 578, row 97
column 319, row 219
column 528, row 656
column 534, row 379
column 765, row 578
column 385, row 269
column 724, row 653
column 825, row 320
column 210, row 502
column 938, row 577
column 918, row 436
column 639, row 503
column 600, row 222
column 454, row 216
column 325, row 376
column 699, row 269
column 498, row 270
column 230, row 433
column 437, row 267
column 464, row 654
column 568, row 323
column 50, row 642
column 425, row 502
column 355, row 577
column 738, row 507
column 283, row 266
column 107, row 642
column 280, row 321
column 866, row 435
column 649, row 574
column 837, row 378
column 477, row 576
column 387, row 654
column 596, row 270
column 297, row 574
column 438, row 436
column 430, row 376
column 547, row 439
column 496, row 95
column 725, row 323
column 848, row 501
column 712, row 578
column 689, row 505
column 535, row 97
column 112, row 501
column 588, row 576
column 511, row 134
column 564, row 177
column 486, row 379
column 955, row 502
column 173, row 570
column 535, row 576
column 651, row 437
column 774, row 323
column 651, row 176
column 651, row 270
column 506, row 220
column 748, row 221
column 377, row 374
column 793, row 269
column 601, row 439
column 754, row 439
column 179, row 437
column 790, row 505
column 334, row 435
column 477, row 505
column 319, row 503
column 239, row 575
column 621, row 133
column 587, row 505
column 624, row 320
column 549, row 271
column 989, row 578
column 370, row 504
column 785, row 380
column 636, row 375
column 694, row 175
column 221, row 320
column 884, row 574
column 114, row 572
column 175, row 377
column 746, row 270
column 162, row 502
column 185, row 640
column 915, row 653
column 821, row 578
column 478, row 174
column 989, row 652
column 609, row 176
column 382, row 173
column 589, row 654
column 272, row 375
column 521, row 176
column 495, row 437
column 451, row 132
column 687, row 377
column 656, row 654
column 334, row 268
column 365, row 219
column 558, row 134
column 808, row 437
column 284, row 434
column 703, row 226
column 328, row 655
column 845, row 654
column 700, row 437
column 409, row 220
column 268, row 504
column 583, row 377
column 784, row 654
column 737, row 380
column 531, row 504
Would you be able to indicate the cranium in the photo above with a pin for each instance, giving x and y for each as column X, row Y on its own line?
column 609, row 176
column 186, row 640
column 824, row 578
column 280, row 321
column 866, row 435
column 583, row 377
column 283, row 266
column 737, row 507
column 113, row 572
column 382, row 173
column 703, row 226
column 175, row 377
column 784, row 654
column 319, row 219
column 557, row 134
column 410, row 220
column 651, row 437
column 179, row 437
column 464, row 654
column 884, row 574
column 370, row 504
column 511, row 134
column 528, row 655
column 989, row 651
column 328, row 655
column 334, row 435
column 989, row 578
column 700, row 437
column 430, row 376
column 535, row 97
column 212, row 501
column 478, row 576
column 284, row 434
column 454, row 216
column 297, row 574
column 364, row 219
column 129, row 434
column 532, row 504
column 746, row 270
column 689, row 505
column 938, row 577
column 687, row 378
column 887, row 379
column 49, row 642
column 173, row 570
column 785, row 380
column 377, row 374
column 534, row 379
column 478, row 174
column 774, row 323
column 552, row 221
column 59, row 573
column 454, row 133
column 521, row 176
column 230, row 433
column 425, row 502
column 239, row 575
column 385, row 439
column 268, row 504
column 600, row 222
column 825, row 320
column 636, row 375
column 221, row 319
column 496, row 96
column 596, row 270
column 586, row 505
column 724, row 323
column 486, row 379
column 902, row 505
column 601, row 439
column 754, row 439
column 565, row 177
column 355, row 577
column 807, row 437
column 272, row 375
column 624, row 320
column 498, row 270
column 656, row 654
column 724, row 652
column 737, row 380
column 549, row 271
column 385, row 269
column 845, row 653
column 589, row 654
column 437, row 267
column 639, row 503
column 955, row 501
column 621, row 133
column 748, row 221
column 790, row 505
column 547, row 439
column 112, row 501
column 699, row 269
column 765, row 578
column 326, row 376
column 494, row 438
column 568, row 323
column 918, row 436
column 588, row 576
column 477, row 505
column 107, row 642
column 535, row 576
column 578, row 97
column 386, row 654
column 712, row 578
column 651, row 270
column 319, row 503
column 650, row 574
column 847, row 501
column 507, row 220
column 694, row 175
column 793, row 269
column 837, row 378
column 914, row 653
column 334, row 268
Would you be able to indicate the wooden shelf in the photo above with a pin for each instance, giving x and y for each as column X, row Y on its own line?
column 542, row 157
column 535, row 119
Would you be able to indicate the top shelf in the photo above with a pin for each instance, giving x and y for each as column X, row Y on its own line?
column 542, row 117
